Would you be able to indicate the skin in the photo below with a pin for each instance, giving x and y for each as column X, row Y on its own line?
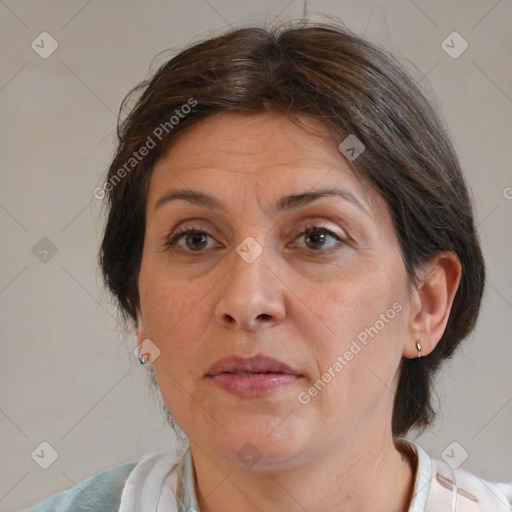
column 302, row 301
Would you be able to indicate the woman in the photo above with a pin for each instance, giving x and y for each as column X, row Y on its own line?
column 290, row 232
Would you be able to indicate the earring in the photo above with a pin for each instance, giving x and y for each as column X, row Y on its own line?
column 418, row 346
column 146, row 352
column 141, row 359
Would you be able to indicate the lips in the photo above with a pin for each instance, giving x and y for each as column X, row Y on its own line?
column 251, row 377
column 251, row 365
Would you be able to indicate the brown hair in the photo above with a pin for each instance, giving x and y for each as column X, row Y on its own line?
column 357, row 89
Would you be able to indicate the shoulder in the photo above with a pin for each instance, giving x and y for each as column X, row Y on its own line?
column 439, row 487
column 101, row 491
column 472, row 493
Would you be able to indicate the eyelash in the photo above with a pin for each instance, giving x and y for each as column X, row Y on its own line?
column 322, row 228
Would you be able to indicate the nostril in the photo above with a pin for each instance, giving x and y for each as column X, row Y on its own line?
column 229, row 319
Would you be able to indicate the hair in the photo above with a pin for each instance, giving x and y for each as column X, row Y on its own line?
column 326, row 72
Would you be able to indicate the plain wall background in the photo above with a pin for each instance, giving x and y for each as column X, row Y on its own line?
column 68, row 375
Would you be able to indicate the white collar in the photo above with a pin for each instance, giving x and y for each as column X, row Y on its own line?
column 158, row 483
column 162, row 482
column 423, row 477
column 439, row 487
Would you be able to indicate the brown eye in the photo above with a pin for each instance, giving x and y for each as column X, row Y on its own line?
column 196, row 241
column 191, row 240
column 318, row 238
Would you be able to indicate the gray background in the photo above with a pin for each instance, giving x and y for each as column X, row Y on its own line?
column 68, row 375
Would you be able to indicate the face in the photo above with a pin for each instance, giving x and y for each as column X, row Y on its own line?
column 279, row 308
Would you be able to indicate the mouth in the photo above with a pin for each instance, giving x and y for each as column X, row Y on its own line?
column 252, row 377
column 250, row 366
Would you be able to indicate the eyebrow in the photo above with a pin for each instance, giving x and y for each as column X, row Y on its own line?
column 286, row 203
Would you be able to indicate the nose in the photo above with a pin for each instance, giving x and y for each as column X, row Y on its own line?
column 252, row 296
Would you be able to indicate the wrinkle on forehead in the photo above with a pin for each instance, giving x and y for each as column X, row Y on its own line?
column 221, row 149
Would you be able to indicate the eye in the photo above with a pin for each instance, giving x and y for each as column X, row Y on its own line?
column 317, row 238
column 189, row 240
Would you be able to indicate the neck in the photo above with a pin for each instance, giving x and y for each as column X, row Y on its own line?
column 370, row 477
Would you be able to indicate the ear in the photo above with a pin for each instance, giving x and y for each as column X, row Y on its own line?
column 142, row 334
column 431, row 303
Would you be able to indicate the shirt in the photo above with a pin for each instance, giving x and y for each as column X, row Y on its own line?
column 162, row 482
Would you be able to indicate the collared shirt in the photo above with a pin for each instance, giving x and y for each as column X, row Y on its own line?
column 162, row 482
column 437, row 488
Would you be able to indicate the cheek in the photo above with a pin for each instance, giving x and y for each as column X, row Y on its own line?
column 174, row 314
column 354, row 300
column 365, row 314
column 165, row 298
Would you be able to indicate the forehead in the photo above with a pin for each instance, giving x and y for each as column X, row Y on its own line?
column 266, row 151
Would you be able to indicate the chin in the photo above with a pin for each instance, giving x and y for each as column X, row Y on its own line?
column 265, row 447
